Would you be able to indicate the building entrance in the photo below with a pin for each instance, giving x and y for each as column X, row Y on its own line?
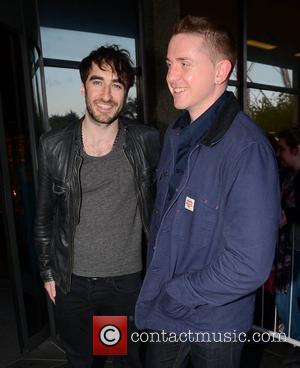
column 24, row 314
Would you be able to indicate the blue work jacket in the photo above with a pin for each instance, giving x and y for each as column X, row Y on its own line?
column 213, row 245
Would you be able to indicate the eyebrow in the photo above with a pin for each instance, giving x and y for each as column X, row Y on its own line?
column 94, row 77
column 180, row 59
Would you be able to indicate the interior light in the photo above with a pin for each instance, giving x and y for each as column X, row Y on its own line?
column 261, row 45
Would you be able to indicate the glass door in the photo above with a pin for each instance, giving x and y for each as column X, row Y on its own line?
column 18, row 257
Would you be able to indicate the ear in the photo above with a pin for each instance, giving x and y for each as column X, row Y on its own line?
column 223, row 68
column 82, row 89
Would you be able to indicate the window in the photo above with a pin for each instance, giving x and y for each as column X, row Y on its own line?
column 269, row 74
column 273, row 111
column 272, row 65
column 75, row 45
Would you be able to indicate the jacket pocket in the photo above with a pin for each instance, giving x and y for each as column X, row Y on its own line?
column 61, row 196
column 204, row 223
column 195, row 221
column 171, row 307
column 59, row 188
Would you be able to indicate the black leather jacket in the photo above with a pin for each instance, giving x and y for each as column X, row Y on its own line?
column 59, row 196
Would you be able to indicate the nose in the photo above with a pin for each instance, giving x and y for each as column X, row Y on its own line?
column 172, row 74
column 106, row 93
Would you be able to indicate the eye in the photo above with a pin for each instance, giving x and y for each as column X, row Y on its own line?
column 184, row 64
column 168, row 64
column 96, row 82
column 118, row 86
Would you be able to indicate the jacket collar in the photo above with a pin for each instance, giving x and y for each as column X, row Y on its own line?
column 223, row 120
column 78, row 135
column 78, row 131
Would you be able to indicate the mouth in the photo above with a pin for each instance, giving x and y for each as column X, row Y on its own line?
column 177, row 91
column 104, row 107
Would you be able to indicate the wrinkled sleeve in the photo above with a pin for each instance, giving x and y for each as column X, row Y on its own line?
column 43, row 226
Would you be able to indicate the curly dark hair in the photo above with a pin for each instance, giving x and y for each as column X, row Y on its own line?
column 118, row 59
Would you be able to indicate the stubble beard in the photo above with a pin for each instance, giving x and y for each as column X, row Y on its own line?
column 103, row 118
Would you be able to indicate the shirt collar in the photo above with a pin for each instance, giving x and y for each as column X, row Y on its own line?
column 208, row 115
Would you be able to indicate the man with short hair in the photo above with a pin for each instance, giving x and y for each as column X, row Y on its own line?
column 95, row 198
column 216, row 214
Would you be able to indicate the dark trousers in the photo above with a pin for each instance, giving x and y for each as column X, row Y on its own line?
column 107, row 296
column 195, row 354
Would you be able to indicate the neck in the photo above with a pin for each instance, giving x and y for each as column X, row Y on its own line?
column 99, row 132
column 99, row 140
column 196, row 113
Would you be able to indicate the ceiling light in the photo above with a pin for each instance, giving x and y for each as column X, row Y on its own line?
column 261, row 45
column 297, row 54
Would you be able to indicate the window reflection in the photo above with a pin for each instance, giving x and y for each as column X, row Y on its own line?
column 37, row 92
column 269, row 74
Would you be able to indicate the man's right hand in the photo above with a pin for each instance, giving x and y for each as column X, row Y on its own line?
column 51, row 290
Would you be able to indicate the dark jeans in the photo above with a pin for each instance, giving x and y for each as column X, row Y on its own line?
column 196, row 354
column 96, row 296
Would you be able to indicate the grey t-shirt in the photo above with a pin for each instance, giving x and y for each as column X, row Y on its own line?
column 108, row 236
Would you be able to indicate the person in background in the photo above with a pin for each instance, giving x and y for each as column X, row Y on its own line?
column 217, row 210
column 288, row 255
column 94, row 201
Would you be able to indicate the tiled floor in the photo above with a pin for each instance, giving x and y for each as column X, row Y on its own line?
column 47, row 355
column 8, row 329
column 272, row 355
